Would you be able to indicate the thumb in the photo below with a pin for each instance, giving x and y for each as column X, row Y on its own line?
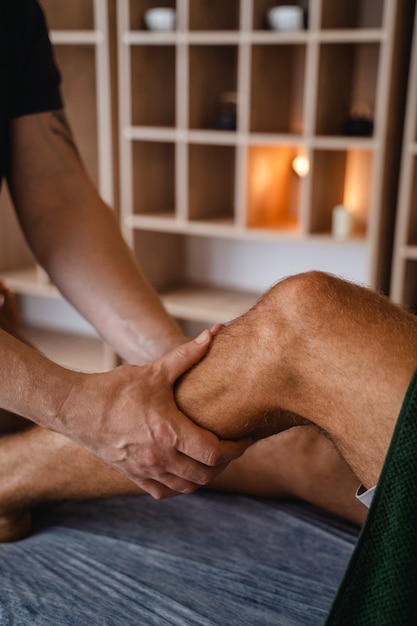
column 186, row 355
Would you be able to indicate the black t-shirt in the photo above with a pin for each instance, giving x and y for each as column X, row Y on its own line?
column 29, row 78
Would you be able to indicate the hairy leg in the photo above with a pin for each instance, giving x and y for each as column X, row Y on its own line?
column 234, row 391
column 47, row 466
column 9, row 321
column 39, row 466
column 315, row 350
column 296, row 464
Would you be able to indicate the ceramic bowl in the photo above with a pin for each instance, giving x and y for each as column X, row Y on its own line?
column 285, row 18
column 160, row 18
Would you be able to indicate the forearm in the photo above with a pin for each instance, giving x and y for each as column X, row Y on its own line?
column 31, row 386
column 75, row 236
column 99, row 276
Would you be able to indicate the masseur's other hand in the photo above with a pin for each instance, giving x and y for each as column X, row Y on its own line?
column 129, row 419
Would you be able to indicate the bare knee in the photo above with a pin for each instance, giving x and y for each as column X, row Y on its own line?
column 301, row 301
column 313, row 300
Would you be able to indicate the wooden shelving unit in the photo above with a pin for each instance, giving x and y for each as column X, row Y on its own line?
column 189, row 187
column 80, row 34
column 404, row 267
column 181, row 177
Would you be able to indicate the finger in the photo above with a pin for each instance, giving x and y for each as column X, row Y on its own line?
column 185, row 356
column 215, row 329
column 224, row 452
column 206, row 448
column 159, row 491
column 187, row 475
column 178, row 485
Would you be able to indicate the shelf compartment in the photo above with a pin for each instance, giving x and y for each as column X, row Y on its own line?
column 213, row 73
column 347, row 85
column 153, row 85
column 341, row 177
column 273, row 188
column 138, row 8
column 260, row 9
column 347, row 14
column 277, row 88
column 74, row 15
column 153, row 177
column 211, row 176
column 161, row 257
column 214, row 15
column 412, row 214
column 77, row 64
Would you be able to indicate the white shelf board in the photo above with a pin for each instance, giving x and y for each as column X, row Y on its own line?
column 163, row 222
column 210, row 305
column 30, row 281
column 78, row 352
column 236, row 138
column 76, row 37
column 409, row 252
column 359, row 35
column 218, row 227
column 255, row 37
column 327, row 142
column 150, row 133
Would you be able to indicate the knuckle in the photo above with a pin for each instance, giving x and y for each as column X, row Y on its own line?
column 190, row 488
column 154, row 489
column 158, row 494
column 212, row 457
column 151, row 458
column 205, row 478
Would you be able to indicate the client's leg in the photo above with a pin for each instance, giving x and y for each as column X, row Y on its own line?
column 9, row 321
column 39, row 466
column 301, row 464
column 316, row 350
column 255, row 379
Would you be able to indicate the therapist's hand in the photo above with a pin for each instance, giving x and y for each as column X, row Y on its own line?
column 128, row 418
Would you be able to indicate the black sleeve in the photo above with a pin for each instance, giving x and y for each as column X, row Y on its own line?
column 35, row 74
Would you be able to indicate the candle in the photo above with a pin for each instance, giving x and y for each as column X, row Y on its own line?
column 342, row 222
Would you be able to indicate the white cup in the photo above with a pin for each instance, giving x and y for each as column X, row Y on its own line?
column 285, row 18
column 160, row 18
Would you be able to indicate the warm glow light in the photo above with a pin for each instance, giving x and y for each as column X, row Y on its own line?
column 301, row 165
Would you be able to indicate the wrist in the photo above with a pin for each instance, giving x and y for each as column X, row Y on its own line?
column 144, row 348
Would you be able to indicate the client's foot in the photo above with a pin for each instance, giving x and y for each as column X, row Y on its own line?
column 15, row 527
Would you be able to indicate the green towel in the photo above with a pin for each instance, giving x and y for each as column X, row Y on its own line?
column 379, row 587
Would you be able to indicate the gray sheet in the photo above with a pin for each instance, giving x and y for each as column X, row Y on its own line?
column 205, row 559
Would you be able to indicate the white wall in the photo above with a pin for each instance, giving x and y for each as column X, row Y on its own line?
column 256, row 265
column 53, row 314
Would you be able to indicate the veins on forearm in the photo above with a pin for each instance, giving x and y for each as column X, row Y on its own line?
column 61, row 128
